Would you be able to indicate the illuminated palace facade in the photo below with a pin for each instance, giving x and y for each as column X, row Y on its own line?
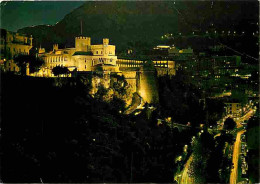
column 84, row 57
column 88, row 58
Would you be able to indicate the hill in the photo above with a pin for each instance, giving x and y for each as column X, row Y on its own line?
column 141, row 23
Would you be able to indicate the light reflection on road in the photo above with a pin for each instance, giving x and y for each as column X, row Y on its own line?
column 236, row 151
column 185, row 178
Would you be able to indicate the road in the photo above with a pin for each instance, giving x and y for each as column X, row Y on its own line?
column 245, row 117
column 136, row 101
column 185, row 178
column 236, row 152
column 236, row 148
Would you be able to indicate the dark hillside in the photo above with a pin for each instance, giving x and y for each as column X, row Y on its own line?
column 140, row 24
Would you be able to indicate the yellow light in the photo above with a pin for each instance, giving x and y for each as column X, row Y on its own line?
column 180, row 51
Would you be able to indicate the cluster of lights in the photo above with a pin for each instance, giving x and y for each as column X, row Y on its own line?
column 168, row 35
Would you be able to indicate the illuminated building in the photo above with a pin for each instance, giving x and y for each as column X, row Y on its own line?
column 13, row 44
column 84, row 57
column 233, row 108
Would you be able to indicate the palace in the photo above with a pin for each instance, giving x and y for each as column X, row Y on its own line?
column 86, row 58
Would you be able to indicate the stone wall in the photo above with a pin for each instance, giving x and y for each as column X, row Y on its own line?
column 148, row 89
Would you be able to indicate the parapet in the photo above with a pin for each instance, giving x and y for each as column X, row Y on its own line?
column 82, row 38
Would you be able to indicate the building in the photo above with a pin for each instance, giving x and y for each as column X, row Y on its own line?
column 13, row 44
column 181, row 53
column 83, row 57
column 233, row 108
column 86, row 58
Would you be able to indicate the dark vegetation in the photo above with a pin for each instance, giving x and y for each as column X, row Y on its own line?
column 61, row 134
column 252, row 136
column 184, row 102
column 229, row 124
column 210, row 164
column 34, row 63
column 180, row 100
column 60, row 70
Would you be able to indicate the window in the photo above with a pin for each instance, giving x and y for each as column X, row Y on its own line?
column 96, row 52
column 85, row 67
column 101, row 52
column 19, row 50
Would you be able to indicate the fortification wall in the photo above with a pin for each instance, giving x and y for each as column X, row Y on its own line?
column 148, row 88
column 131, row 79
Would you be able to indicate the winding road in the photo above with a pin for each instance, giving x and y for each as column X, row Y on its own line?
column 236, row 148
column 236, row 153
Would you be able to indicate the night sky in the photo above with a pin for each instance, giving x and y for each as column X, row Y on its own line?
column 16, row 15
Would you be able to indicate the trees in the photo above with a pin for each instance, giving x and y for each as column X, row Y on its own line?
column 34, row 63
column 59, row 70
column 215, row 110
column 180, row 100
column 229, row 124
column 202, row 149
